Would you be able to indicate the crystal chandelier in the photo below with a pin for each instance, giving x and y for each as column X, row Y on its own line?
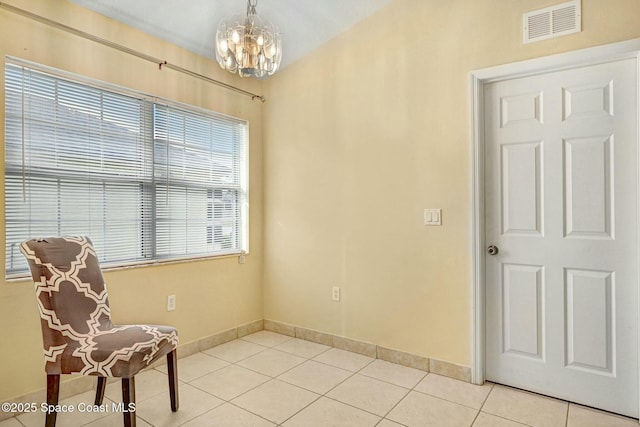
column 249, row 46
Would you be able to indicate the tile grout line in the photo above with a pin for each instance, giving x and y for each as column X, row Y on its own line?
column 493, row 388
column 224, row 400
column 320, row 396
column 488, row 394
column 359, row 372
column 228, row 402
column 271, row 378
column 394, row 407
column 353, row 374
column 301, row 409
column 409, row 390
column 448, row 400
column 325, row 394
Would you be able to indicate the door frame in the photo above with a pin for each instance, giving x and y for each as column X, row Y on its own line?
column 478, row 79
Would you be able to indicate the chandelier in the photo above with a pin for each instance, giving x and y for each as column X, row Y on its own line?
column 249, row 46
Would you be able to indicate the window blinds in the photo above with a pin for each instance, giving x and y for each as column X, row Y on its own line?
column 199, row 191
column 144, row 180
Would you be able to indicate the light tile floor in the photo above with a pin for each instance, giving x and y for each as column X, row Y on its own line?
column 267, row 379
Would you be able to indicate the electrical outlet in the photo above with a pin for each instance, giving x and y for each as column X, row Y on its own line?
column 171, row 302
column 335, row 293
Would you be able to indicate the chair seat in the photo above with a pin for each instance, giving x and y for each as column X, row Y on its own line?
column 119, row 352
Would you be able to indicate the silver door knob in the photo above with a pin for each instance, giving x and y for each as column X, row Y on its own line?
column 493, row 250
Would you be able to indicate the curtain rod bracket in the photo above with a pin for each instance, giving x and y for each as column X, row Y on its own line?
column 161, row 64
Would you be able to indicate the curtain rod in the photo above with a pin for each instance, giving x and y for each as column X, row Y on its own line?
column 161, row 63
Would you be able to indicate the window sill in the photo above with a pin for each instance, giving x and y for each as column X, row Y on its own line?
column 27, row 277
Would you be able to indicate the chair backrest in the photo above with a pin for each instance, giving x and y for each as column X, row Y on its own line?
column 70, row 293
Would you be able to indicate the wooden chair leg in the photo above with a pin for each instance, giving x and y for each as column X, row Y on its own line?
column 129, row 401
column 100, row 387
column 53, row 390
column 172, row 368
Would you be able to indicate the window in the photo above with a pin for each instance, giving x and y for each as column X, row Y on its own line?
column 146, row 180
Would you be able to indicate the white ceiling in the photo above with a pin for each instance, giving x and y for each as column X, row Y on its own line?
column 191, row 24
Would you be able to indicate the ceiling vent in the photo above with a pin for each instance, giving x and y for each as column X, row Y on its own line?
column 554, row 21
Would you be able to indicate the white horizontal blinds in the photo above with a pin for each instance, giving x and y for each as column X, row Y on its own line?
column 78, row 162
column 200, row 194
column 145, row 181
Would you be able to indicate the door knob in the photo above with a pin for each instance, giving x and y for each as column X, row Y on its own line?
column 493, row 250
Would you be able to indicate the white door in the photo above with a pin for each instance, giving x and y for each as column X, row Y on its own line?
column 560, row 207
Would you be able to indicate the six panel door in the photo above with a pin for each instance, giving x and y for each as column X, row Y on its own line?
column 560, row 205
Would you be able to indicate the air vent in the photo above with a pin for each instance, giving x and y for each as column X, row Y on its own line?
column 552, row 22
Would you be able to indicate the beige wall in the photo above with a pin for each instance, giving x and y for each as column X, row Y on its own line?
column 365, row 133
column 212, row 295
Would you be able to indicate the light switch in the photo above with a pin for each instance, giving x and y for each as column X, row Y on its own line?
column 433, row 217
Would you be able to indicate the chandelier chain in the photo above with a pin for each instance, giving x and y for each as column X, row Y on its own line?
column 251, row 7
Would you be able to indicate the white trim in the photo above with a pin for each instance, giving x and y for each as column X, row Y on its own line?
column 478, row 243
column 637, row 54
column 478, row 78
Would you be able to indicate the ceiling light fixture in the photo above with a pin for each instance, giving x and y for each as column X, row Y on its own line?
column 249, row 46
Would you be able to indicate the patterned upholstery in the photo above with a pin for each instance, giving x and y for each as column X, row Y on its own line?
column 74, row 309
column 77, row 331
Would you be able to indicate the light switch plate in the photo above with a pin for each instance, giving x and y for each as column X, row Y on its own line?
column 171, row 302
column 433, row 217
